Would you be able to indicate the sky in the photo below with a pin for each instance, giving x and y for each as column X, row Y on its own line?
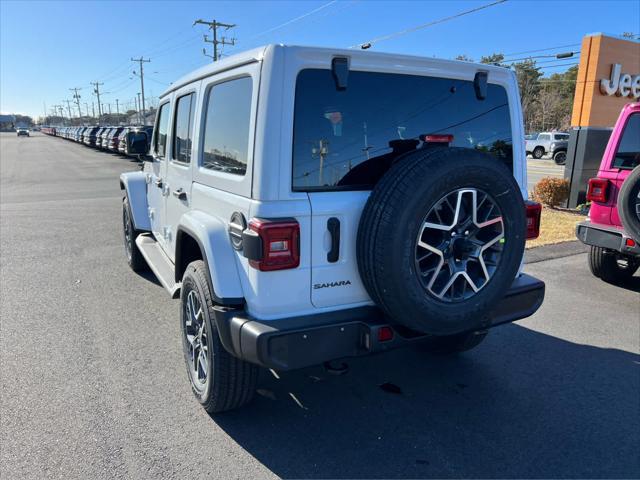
column 47, row 48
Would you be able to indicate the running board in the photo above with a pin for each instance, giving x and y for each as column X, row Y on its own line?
column 159, row 263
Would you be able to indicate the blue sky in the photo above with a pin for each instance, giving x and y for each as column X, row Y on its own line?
column 48, row 47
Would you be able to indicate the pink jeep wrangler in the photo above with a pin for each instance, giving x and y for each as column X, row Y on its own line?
column 613, row 228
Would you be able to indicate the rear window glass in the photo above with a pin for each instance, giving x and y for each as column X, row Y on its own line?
column 347, row 139
column 628, row 154
column 561, row 136
column 544, row 136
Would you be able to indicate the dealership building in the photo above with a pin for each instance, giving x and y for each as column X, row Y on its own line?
column 608, row 78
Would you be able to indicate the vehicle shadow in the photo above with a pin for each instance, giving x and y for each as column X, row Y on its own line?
column 633, row 284
column 523, row 404
column 150, row 277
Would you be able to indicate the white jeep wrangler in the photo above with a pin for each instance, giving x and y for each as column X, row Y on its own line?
column 311, row 204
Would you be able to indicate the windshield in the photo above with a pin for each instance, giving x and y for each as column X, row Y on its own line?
column 347, row 139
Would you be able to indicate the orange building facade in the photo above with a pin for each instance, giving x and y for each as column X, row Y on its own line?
column 608, row 78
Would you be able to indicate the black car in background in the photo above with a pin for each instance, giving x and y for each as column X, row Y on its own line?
column 133, row 136
column 113, row 138
column 90, row 134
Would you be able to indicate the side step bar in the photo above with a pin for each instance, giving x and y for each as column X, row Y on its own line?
column 159, row 263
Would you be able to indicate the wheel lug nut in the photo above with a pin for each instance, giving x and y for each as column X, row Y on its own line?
column 466, row 232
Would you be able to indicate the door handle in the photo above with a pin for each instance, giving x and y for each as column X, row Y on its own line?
column 333, row 225
column 158, row 183
column 179, row 194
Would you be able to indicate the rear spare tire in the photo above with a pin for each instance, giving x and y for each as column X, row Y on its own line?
column 629, row 204
column 441, row 239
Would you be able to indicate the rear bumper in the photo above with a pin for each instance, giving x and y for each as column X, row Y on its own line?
column 290, row 343
column 606, row 236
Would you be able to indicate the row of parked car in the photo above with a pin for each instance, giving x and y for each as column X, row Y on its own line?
column 133, row 140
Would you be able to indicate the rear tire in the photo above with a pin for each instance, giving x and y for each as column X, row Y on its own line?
column 219, row 381
column 560, row 157
column 607, row 265
column 453, row 344
column 538, row 152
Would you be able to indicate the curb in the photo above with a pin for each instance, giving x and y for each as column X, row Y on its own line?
column 558, row 250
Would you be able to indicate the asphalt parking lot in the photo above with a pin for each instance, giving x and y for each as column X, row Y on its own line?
column 94, row 385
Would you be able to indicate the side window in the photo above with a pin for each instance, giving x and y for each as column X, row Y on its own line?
column 182, row 129
column 160, row 142
column 226, row 131
column 628, row 154
column 544, row 136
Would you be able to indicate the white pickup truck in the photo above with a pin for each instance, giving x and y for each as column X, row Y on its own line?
column 311, row 204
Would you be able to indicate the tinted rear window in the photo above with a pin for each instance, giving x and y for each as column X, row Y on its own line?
column 628, row 154
column 347, row 139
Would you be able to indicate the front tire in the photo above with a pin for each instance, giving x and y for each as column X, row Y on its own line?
column 219, row 381
column 134, row 258
column 538, row 152
column 611, row 266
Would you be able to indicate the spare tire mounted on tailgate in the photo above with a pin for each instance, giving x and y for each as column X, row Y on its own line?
column 441, row 239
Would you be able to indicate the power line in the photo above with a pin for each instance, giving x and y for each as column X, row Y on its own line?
column 560, row 65
column 293, row 20
column 541, row 50
column 368, row 44
column 557, row 56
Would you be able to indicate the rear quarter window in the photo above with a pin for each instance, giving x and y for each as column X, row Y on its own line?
column 628, row 154
column 347, row 139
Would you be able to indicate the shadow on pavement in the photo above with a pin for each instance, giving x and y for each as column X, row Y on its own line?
column 523, row 404
column 633, row 284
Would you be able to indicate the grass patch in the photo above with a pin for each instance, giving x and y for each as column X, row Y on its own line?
column 556, row 226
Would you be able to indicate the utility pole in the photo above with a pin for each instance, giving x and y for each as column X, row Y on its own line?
column 109, row 106
column 138, row 107
column 86, row 105
column 213, row 26
column 93, row 108
column 117, row 108
column 68, row 108
column 96, row 90
column 141, row 60
column 61, row 111
column 76, row 97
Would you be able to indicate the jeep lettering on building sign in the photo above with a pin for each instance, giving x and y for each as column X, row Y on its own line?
column 341, row 283
column 620, row 85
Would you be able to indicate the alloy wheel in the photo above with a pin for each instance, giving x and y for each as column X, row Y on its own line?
column 127, row 229
column 459, row 245
column 197, row 341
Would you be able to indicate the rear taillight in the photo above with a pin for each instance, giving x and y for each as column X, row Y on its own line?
column 279, row 245
column 597, row 190
column 534, row 211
